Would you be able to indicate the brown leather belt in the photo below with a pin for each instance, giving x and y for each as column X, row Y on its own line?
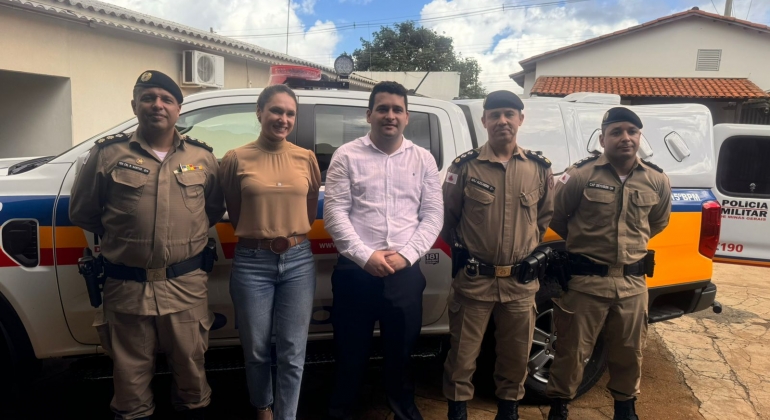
column 277, row 245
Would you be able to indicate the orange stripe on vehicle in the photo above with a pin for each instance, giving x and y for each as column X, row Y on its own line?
column 677, row 259
column 226, row 233
column 317, row 231
column 551, row 236
column 46, row 237
column 70, row 237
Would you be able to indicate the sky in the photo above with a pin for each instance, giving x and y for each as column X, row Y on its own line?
column 497, row 33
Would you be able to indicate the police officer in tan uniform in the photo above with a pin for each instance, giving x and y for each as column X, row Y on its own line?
column 497, row 206
column 607, row 207
column 151, row 196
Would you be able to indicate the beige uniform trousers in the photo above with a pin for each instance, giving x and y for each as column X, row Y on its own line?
column 514, row 326
column 579, row 318
column 132, row 342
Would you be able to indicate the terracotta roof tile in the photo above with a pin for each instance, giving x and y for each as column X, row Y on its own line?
column 650, row 87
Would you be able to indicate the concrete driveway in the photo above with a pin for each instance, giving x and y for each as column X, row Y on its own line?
column 725, row 358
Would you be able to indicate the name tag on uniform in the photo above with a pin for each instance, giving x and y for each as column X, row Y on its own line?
column 592, row 184
column 133, row 167
column 483, row 184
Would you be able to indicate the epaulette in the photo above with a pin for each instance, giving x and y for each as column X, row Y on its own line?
column 198, row 143
column 111, row 139
column 538, row 156
column 470, row 154
column 653, row 166
column 583, row 161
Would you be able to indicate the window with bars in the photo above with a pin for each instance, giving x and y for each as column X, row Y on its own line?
column 708, row 60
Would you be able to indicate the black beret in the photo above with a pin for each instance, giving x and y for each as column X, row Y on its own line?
column 503, row 99
column 154, row 78
column 621, row 114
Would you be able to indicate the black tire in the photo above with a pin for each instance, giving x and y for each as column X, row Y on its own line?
column 18, row 364
column 541, row 354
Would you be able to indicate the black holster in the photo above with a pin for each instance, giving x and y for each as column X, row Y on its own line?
column 559, row 267
column 535, row 265
column 209, row 255
column 92, row 270
column 459, row 257
column 649, row 263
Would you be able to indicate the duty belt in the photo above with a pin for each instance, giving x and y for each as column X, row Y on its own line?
column 122, row 272
column 491, row 270
column 582, row 266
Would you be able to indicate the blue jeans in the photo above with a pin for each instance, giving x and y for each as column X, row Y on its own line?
column 270, row 290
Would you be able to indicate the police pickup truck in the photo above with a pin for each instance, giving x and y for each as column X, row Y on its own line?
column 44, row 306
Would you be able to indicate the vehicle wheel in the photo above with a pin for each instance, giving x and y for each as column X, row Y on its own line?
column 18, row 364
column 541, row 354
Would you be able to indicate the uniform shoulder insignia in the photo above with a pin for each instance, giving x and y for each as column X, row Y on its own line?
column 198, row 143
column 111, row 139
column 465, row 157
column 538, row 156
column 583, row 161
column 653, row 166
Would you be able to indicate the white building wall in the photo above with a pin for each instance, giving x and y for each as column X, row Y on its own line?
column 101, row 63
column 529, row 81
column 440, row 84
column 36, row 115
column 669, row 50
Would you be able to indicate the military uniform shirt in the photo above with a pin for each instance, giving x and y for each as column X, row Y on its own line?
column 610, row 221
column 500, row 214
column 150, row 214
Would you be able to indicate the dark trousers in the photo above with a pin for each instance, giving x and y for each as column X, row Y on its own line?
column 360, row 300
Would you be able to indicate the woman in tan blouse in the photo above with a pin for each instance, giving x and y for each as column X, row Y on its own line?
column 271, row 189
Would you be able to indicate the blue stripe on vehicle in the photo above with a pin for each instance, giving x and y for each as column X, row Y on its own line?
column 38, row 207
column 689, row 200
column 63, row 211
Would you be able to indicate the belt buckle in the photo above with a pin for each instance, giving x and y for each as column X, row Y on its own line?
column 503, row 270
column 280, row 244
column 156, row 274
column 616, row 271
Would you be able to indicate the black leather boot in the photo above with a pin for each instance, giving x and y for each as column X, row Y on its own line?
column 507, row 410
column 625, row 410
column 457, row 410
column 559, row 409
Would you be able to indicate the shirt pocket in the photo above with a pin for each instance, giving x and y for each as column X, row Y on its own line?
column 126, row 189
column 641, row 204
column 529, row 204
column 599, row 209
column 191, row 186
column 478, row 204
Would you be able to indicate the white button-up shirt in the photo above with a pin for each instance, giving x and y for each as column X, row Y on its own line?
column 375, row 201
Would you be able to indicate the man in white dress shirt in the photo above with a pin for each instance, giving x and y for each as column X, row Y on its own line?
column 383, row 207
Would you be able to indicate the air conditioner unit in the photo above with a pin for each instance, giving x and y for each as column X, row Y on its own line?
column 203, row 69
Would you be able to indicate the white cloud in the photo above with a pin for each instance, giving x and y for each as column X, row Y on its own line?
column 359, row 2
column 500, row 40
column 260, row 22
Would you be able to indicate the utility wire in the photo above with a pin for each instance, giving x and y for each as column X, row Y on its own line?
column 353, row 26
column 399, row 19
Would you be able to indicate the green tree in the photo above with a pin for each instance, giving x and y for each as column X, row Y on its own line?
column 408, row 47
